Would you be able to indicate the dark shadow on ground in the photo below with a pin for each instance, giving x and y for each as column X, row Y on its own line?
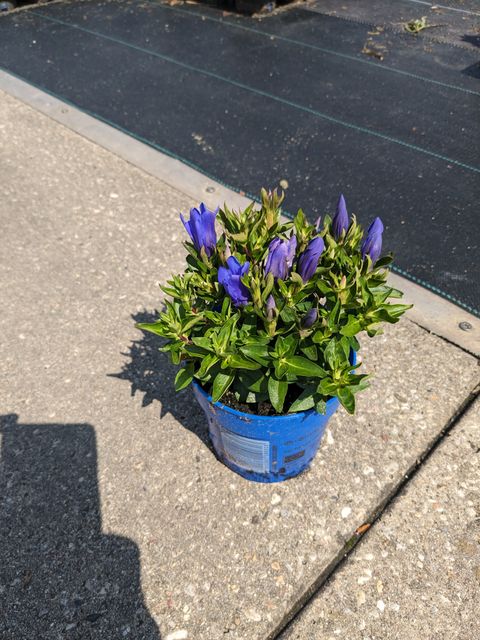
column 474, row 69
column 151, row 372
column 472, row 39
column 60, row 576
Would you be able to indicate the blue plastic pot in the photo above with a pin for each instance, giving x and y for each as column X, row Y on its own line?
column 264, row 448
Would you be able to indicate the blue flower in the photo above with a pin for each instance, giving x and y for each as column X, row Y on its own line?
column 281, row 254
column 340, row 220
column 308, row 261
column 201, row 228
column 230, row 278
column 270, row 308
column 309, row 318
column 372, row 244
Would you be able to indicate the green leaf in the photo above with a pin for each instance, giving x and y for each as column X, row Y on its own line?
column 225, row 332
column 352, row 327
column 196, row 352
column 288, row 315
column 184, row 377
column 299, row 222
column 301, row 366
column 297, row 278
column 277, row 390
column 289, row 344
column 319, row 337
column 207, row 363
column 334, row 315
column 347, row 399
column 304, row 401
column 269, row 282
column 321, row 407
column 327, row 387
column 397, row 310
column 225, row 306
column 237, row 362
column 221, row 383
column 334, row 354
column 204, row 343
column 259, row 353
column 253, row 381
column 154, row 327
column 311, row 352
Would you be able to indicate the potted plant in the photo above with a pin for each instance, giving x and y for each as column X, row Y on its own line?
column 264, row 323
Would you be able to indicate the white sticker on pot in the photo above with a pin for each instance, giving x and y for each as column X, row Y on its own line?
column 253, row 455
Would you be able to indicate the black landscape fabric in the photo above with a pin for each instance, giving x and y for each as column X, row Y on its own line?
column 291, row 97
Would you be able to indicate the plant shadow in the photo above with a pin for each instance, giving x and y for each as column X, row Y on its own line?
column 151, row 372
column 60, row 575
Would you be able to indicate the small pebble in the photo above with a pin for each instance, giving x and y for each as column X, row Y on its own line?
column 181, row 634
column 253, row 615
column 381, row 606
column 346, row 511
column 276, row 499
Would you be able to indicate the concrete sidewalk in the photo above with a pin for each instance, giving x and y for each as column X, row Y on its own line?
column 137, row 530
column 418, row 574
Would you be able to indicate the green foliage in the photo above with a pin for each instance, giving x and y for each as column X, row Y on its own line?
column 271, row 357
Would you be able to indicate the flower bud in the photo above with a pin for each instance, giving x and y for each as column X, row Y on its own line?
column 309, row 318
column 372, row 244
column 281, row 254
column 340, row 220
column 308, row 261
column 270, row 308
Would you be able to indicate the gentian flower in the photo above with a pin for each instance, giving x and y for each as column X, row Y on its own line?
column 201, row 228
column 281, row 254
column 229, row 278
column 340, row 220
column 270, row 307
column 308, row 261
column 309, row 318
column 372, row 244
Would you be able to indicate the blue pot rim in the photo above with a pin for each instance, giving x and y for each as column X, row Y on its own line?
column 286, row 416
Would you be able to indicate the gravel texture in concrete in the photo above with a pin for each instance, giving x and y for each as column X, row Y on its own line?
column 417, row 573
column 117, row 520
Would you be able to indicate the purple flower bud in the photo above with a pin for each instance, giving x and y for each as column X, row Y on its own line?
column 308, row 261
column 340, row 220
column 201, row 228
column 318, row 222
column 281, row 254
column 309, row 318
column 230, row 278
column 270, row 307
column 372, row 244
